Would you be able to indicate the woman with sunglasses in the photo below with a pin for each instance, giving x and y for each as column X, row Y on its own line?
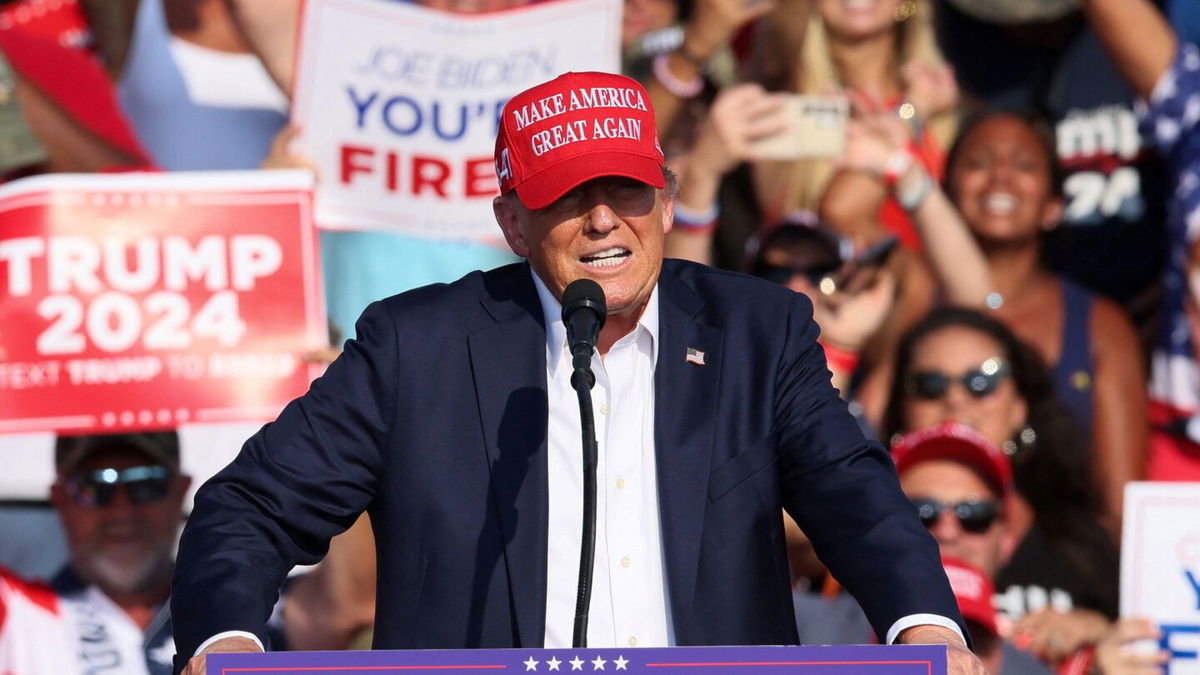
column 1003, row 180
column 959, row 365
column 851, row 298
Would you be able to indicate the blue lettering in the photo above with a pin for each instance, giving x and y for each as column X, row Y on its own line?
column 360, row 107
column 1195, row 585
column 499, row 116
column 437, row 122
column 391, row 124
column 1165, row 642
column 406, row 116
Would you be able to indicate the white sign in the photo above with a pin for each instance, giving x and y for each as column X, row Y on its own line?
column 399, row 105
column 1160, row 566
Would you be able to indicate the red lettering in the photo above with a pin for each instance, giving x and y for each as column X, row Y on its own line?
column 393, row 174
column 389, row 170
column 349, row 166
column 421, row 177
column 481, row 178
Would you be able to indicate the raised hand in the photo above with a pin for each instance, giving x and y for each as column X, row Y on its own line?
column 739, row 116
column 931, row 88
column 871, row 143
column 1055, row 635
column 1119, row 653
column 714, row 23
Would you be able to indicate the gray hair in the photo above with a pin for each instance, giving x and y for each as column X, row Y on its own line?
column 670, row 187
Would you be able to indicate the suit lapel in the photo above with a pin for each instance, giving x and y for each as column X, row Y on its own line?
column 508, row 359
column 684, row 419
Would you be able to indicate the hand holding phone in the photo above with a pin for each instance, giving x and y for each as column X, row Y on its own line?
column 814, row 127
column 740, row 117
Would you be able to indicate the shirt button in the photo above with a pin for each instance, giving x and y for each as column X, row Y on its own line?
column 604, row 408
column 620, row 483
column 625, row 561
column 632, row 641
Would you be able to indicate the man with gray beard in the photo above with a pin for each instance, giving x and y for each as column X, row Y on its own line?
column 120, row 499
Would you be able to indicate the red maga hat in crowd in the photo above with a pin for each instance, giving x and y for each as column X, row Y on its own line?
column 956, row 442
column 574, row 128
column 973, row 590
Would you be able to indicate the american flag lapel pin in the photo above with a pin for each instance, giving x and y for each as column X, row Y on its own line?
column 694, row 356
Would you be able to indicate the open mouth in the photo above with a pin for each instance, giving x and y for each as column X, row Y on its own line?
column 609, row 257
column 999, row 203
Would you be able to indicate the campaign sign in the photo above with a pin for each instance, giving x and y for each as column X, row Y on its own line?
column 399, row 105
column 1160, row 565
column 873, row 659
column 142, row 301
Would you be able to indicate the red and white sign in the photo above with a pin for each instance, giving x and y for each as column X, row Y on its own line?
column 398, row 104
column 142, row 301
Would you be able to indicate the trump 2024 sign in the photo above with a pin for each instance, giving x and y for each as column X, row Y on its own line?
column 142, row 301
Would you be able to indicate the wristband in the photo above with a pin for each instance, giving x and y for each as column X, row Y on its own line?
column 696, row 222
column 697, row 230
column 839, row 360
column 676, row 86
column 897, row 165
column 911, row 196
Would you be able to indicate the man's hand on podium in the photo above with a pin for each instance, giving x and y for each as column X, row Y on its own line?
column 959, row 659
column 230, row 644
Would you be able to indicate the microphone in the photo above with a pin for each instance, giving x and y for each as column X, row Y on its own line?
column 583, row 311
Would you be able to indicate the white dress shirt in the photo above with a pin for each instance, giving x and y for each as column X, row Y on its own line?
column 629, row 605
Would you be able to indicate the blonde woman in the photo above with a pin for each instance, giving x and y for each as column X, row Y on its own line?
column 880, row 54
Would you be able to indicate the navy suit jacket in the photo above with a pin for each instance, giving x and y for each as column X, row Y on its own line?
column 434, row 420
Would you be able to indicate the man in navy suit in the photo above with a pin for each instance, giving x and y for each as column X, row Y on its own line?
column 450, row 418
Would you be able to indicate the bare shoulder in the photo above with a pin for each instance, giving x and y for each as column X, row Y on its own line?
column 1112, row 331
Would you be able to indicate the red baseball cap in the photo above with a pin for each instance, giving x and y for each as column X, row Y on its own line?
column 973, row 590
column 73, row 81
column 574, row 128
column 956, row 442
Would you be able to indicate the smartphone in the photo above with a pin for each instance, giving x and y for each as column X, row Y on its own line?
column 815, row 129
column 859, row 274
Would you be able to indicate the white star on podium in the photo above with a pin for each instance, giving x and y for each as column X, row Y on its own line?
column 620, row 662
column 553, row 663
column 598, row 663
column 576, row 663
column 530, row 664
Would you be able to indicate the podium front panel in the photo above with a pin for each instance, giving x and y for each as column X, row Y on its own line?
column 839, row 660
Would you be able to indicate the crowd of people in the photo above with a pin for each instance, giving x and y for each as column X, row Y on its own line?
column 1001, row 247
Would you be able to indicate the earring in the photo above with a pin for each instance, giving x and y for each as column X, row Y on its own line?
column 1028, row 436
column 905, row 11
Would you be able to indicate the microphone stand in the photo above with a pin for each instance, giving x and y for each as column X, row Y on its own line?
column 582, row 381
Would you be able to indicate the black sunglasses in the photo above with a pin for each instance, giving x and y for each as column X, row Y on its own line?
column 974, row 516
column 933, row 384
column 96, row 489
column 782, row 275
